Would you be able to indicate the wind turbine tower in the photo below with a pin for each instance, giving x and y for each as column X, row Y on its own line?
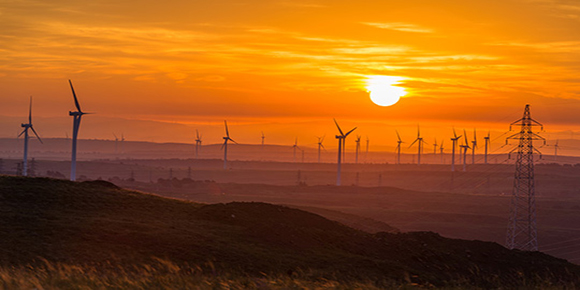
column 25, row 132
column 367, row 151
column 487, row 145
column 453, row 146
column 357, row 149
column 225, row 145
column 473, row 146
column 556, row 146
column 341, row 139
column 77, row 116
column 197, row 143
column 420, row 141
column 522, row 232
column 435, row 147
column 399, row 142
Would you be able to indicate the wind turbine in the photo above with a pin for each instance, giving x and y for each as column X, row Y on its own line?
column 25, row 132
column 320, row 146
column 441, row 151
column 474, row 144
column 295, row 146
column 197, row 143
column 399, row 142
column 367, row 151
column 341, row 139
column 357, row 148
column 419, row 145
column 487, row 145
column 123, row 143
column 263, row 137
column 77, row 116
column 225, row 145
column 556, row 146
column 116, row 143
column 453, row 146
column 465, row 147
column 435, row 147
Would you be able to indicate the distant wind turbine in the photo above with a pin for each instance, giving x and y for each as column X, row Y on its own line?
column 357, row 149
column 76, row 125
column 263, row 137
column 399, row 142
column 295, row 146
column 320, row 146
column 474, row 146
column 367, row 151
column 341, row 139
column 465, row 147
column 453, row 146
column 225, row 145
column 116, row 143
column 487, row 145
column 435, row 147
column 441, row 151
column 197, row 143
column 419, row 142
column 556, row 146
column 25, row 132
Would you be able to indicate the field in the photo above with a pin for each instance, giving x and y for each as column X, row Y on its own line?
column 53, row 230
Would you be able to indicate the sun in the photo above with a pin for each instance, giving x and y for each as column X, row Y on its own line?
column 384, row 90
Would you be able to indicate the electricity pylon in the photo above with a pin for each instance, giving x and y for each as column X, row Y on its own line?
column 522, row 232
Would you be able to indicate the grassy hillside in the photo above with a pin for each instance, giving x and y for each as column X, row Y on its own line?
column 97, row 224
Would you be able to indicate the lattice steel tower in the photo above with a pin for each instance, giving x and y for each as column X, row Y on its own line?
column 522, row 233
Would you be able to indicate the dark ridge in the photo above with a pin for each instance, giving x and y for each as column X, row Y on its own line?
column 93, row 223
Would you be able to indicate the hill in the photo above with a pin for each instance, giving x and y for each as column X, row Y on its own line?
column 98, row 223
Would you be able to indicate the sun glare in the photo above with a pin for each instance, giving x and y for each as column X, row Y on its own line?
column 384, row 90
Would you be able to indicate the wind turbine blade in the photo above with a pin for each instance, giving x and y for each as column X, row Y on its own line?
column 350, row 132
column 455, row 133
column 21, row 133
column 30, row 112
column 322, row 140
column 233, row 141
column 339, row 130
column 227, row 132
column 197, row 134
column 413, row 143
column 418, row 131
column 398, row 136
column 36, row 134
column 75, row 96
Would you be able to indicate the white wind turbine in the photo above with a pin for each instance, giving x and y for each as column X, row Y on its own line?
column 453, row 146
column 225, row 145
column 465, row 147
column 399, row 142
column 487, row 145
column 474, row 146
column 357, row 148
column 25, row 132
column 76, row 125
column 320, row 146
column 341, row 138
column 294, row 147
column 441, row 151
column 419, row 145
column 197, row 143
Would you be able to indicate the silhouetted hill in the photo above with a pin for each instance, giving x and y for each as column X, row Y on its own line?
column 97, row 223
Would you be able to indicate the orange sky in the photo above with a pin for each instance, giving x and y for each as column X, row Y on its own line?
column 287, row 67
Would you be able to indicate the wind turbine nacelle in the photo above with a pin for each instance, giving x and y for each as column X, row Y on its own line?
column 23, row 125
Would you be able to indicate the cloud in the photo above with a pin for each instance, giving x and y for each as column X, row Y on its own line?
column 399, row 26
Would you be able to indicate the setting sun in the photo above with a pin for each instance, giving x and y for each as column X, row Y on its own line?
column 384, row 90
